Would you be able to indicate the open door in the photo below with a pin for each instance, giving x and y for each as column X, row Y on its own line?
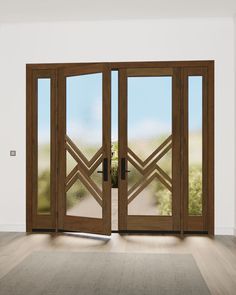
column 164, row 170
column 84, row 186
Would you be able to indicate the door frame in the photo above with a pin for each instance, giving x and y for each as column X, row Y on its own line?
column 36, row 222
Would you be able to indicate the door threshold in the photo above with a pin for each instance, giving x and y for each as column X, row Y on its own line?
column 156, row 232
column 145, row 232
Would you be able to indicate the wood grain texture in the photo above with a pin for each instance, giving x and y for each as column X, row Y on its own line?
column 29, row 153
column 33, row 218
column 211, row 149
column 124, row 65
column 215, row 257
column 206, row 221
column 122, row 149
column 179, row 71
column 106, row 126
column 103, row 197
column 148, row 167
column 149, row 72
column 176, row 149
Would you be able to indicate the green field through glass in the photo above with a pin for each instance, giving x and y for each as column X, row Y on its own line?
column 195, row 145
column 84, row 128
column 149, row 125
column 44, row 107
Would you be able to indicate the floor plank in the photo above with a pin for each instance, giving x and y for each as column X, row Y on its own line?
column 215, row 257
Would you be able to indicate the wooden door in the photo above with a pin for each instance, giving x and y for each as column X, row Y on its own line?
column 84, row 186
column 169, row 162
column 149, row 149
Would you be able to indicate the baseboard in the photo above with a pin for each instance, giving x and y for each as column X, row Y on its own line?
column 229, row 231
column 12, row 228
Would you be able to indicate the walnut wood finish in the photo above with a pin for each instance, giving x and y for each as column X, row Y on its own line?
column 84, row 167
column 179, row 220
column 201, row 223
column 34, row 219
column 149, row 168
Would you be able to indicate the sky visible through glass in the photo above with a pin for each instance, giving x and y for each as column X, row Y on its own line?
column 85, row 117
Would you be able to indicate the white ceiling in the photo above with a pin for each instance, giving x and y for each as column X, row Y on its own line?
column 66, row 10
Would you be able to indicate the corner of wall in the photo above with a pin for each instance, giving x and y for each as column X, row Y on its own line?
column 235, row 119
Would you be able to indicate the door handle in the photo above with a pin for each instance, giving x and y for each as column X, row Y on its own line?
column 123, row 168
column 105, row 169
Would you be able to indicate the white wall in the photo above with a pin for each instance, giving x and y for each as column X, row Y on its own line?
column 186, row 39
column 235, row 111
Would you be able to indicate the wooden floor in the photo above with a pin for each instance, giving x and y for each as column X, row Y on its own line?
column 216, row 258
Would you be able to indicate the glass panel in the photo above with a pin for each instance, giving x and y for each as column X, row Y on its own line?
column 153, row 200
column 134, row 176
column 114, row 165
column 71, row 163
column 44, row 95
column 165, row 163
column 114, row 106
column 149, row 113
column 84, row 129
column 80, row 202
column 114, row 129
column 98, row 177
column 114, row 149
column 195, row 145
column 84, row 112
column 149, row 125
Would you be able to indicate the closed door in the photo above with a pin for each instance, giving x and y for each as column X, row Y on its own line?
column 149, row 149
column 84, row 189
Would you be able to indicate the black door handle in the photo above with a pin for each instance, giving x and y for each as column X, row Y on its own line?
column 105, row 169
column 123, row 168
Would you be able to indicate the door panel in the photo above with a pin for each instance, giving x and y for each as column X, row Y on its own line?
column 41, row 149
column 84, row 141
column 195, row 149
column 149, row 149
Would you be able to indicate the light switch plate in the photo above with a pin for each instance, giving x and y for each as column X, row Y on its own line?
column 12, row 153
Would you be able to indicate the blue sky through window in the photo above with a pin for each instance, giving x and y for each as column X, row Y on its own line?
column 149, row 106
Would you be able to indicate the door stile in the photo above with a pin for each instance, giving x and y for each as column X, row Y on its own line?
column 122, row 149
column 106, row 117
column 211, row 151
column 176, row 149
column 61, row 148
